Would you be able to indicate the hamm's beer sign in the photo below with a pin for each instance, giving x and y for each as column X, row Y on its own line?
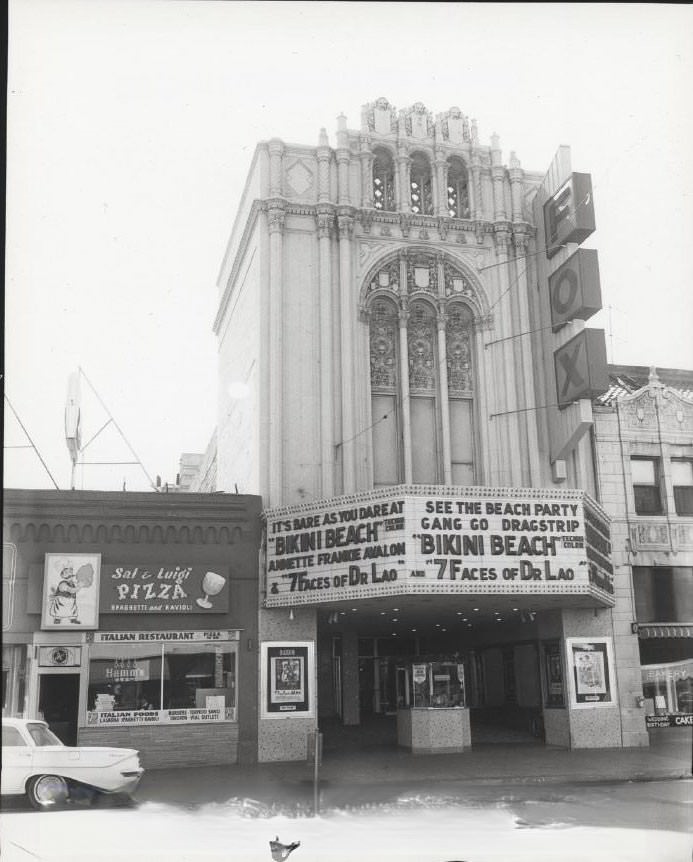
column 464, row 540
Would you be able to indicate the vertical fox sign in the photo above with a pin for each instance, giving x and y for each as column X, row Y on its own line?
column 574, row 369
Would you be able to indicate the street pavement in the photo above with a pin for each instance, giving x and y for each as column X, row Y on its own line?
column 378, row 772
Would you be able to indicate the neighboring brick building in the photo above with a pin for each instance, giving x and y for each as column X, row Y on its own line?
column 131, row 619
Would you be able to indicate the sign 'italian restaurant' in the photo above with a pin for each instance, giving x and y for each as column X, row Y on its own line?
column 457, row 540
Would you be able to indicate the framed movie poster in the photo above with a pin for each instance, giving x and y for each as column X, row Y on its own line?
column 70, row 592
column 591, row 663
column 288, row 671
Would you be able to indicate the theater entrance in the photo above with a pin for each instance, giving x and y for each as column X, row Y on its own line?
column 497, row 660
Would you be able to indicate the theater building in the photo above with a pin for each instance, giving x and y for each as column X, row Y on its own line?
column 406, row 378
column 130, row 619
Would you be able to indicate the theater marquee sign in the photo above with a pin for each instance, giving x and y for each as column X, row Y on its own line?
column 464, row 540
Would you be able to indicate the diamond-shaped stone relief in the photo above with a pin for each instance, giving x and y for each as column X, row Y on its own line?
column 299, row 179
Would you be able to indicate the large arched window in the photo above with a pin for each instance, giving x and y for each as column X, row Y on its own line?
column 457, row 189
column 423, row 392
column 416, row 435
column 383, row 181
column 387, row 435
column 420, row 189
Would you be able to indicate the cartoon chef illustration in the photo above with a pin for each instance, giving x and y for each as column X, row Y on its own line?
column 63, row 603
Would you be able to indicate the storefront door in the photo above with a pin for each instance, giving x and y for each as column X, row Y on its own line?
column 58, row 704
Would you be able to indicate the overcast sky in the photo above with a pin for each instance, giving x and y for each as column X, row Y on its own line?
column 131, row 126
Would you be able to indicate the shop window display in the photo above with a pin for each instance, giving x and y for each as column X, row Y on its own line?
column 171, row 680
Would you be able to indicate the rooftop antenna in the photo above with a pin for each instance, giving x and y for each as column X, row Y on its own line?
column 73, row 423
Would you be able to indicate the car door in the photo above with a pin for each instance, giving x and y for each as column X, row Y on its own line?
column 17, row 759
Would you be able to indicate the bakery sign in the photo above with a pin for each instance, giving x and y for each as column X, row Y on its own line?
column 461, row 540
column 163, row 589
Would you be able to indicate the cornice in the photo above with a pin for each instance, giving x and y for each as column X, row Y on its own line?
column 111, row 517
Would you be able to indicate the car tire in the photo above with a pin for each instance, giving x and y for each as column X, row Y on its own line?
column 47, row 792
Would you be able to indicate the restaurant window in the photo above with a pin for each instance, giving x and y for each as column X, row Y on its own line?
column 162, row 676
column 646, row 486
column 682, row 480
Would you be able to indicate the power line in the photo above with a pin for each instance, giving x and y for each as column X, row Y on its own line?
column 359, row 433
column 33, row 446
column 119, row 429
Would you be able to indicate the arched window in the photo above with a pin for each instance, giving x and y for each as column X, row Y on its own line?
column 416, row 436
column 420, row 185
column 383, row 181
column 423, row 392
column 387, row 434
column 458, row 351
column 457, row 189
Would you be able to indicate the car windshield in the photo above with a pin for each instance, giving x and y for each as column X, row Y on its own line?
column 42, row 735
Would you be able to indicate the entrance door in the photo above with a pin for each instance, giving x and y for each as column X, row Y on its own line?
column 59, row 703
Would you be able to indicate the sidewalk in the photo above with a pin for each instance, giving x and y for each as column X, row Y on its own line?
column 380, row 773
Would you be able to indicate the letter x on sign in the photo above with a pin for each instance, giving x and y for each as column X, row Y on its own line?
column 574, row 381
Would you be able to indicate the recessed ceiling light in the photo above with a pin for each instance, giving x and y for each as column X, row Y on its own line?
column 413, row 630
column 395, row 620
column 354, row 609
column 464, row 619
column 459, row 613
column 437, row 625
column 443, row 630
column 476, row 609
column 395, row 609
column 516, row 609
column 382, row 613
column 499, row 619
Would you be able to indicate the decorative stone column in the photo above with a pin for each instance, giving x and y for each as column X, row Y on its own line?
column 404, row 382
column 402, row 192
column 275, row 220
column 276, row 151
column 443, row 377
column 441, row 183
column 506, row 363
column 345, row 221
column 516, row 175
column 475, row 200
column 525, row 373
column 325, row 223
column 366, row 173
column 498, row 175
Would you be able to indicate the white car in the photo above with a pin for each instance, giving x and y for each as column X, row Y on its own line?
column 36, row 763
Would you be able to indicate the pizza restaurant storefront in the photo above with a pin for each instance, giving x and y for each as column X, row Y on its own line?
column 145, row 645
column 463, row 615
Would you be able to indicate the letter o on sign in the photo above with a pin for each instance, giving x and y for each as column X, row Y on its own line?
column 564, row 292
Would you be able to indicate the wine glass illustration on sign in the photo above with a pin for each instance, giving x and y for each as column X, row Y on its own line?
column 212, row 585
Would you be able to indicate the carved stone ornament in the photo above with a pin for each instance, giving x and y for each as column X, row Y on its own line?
column 458, row 347
column 276, row 217
column 676, row 413
column 366, row 219
column 455, row 282
column 385, row 230
column 405, row 225
column 386, row 278
column 299, row 179
column 417, row 121
column 422, row 273
column 383, row 347
column 421, row 331
column 455, row 126
column 640, row 412
column 379, row 117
